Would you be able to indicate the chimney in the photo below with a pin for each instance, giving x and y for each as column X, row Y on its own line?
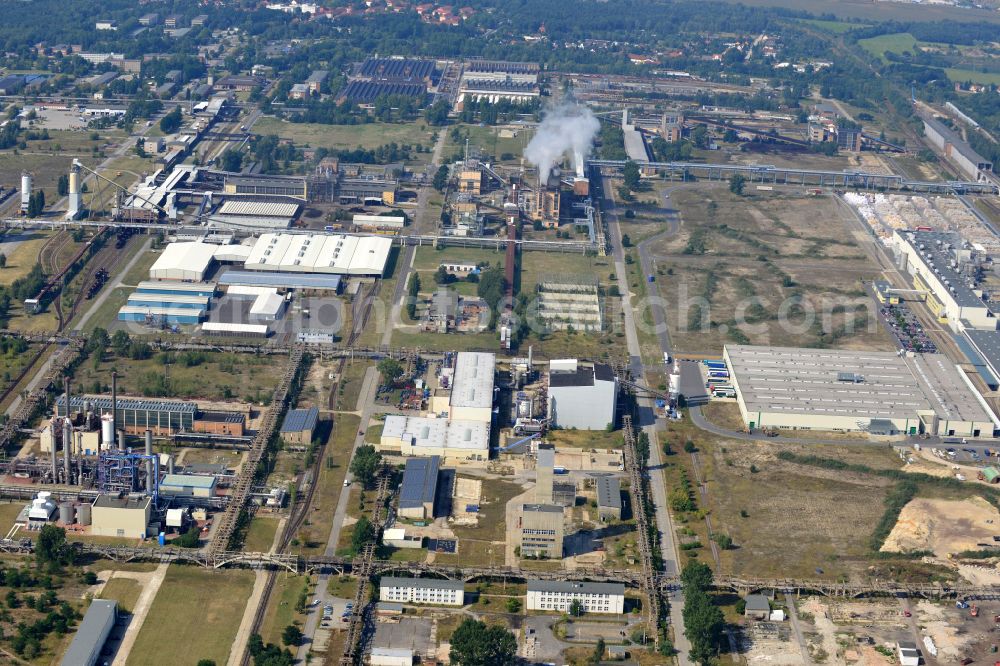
column 150, row 481
column 67, row 443
column 114, row 406
column 170, row 464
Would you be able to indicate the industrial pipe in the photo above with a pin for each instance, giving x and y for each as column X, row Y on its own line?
column 67, row 436
column 114, row 407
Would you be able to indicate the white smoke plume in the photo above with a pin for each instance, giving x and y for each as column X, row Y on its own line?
column 566, row 128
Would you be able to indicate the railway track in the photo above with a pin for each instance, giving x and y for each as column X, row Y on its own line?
column 300, row 511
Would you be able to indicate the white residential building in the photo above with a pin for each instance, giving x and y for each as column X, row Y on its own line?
column 557, row 596
column 422, row 591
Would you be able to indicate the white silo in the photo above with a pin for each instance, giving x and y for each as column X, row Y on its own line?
column 107, row 432
column 75, row 198
column 26, row 184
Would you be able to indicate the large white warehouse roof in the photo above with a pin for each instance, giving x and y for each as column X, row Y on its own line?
column 184, row 261
column 320, row 253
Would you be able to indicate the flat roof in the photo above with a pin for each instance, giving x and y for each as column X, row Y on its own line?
column 320, row 253
column 635, row 145
column 432, row 583
column 102, row 403
column 542, row 508
column 259, row 208
column 92, row 632
column 472, row 384
column 609, row 492
column 112, row 502
column 757, row 602
column 420, row 477
column 297, row 420
column 155, row 286
column 281, row 280
column 575, row 587
column 267, row 304
column 228, row 327
column 180, row 299
column 581, row 375
column 189, row 256
column 936, row 250
column 807, row 381
column 160, row 310
column 424, row 431
column 188, row 481
column 955, row 140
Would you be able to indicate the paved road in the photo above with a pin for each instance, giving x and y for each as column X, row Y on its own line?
column 647, row 421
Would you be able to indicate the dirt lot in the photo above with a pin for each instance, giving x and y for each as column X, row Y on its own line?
column 944, row 526
column 761, row 269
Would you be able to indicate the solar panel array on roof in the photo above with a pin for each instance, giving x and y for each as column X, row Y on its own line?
column 369, row 91
column 298, row 420
column 397, row 69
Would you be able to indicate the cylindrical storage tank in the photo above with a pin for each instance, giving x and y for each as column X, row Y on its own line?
column 74, row 181
column 83, row 514
column 67, row 513
column 25, row 188
column 107, row 432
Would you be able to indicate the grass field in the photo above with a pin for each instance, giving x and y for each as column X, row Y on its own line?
column 281, row 611
column 585, row 439
column 260, row 536
column 369, row 135
column 123, row 590
column 221, row 376
column 758, row 270
column 140, row 271
column 963, row 75
column 899, row 43
column 836, row 27
column 23, row 257
column 218, row 597
column 488, row 143
column 750, row 492
column 881, row 11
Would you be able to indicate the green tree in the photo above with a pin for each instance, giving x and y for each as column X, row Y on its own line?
column 597, row 656
column 190, row 539
column 362, row 533
column 703, row 625
column 442, row 276
column 120, row 342
column 51, row 549
column 365, row 464
column 730, row 136
column 696, row 576
column 736, row 184
column 724, row 541
column 62, row 185
column 576, row 608
column 206, row 662
column 3, row 260
column 291, row 635
column 232, row 160
column 390, row 369
column 171, row 122
column 475, row 644
column 631, row 174
column 441, row 179
column 513, row 605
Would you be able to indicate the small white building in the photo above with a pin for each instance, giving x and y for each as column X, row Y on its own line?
column 546, row 595
column 422, row 591
column 909, row 655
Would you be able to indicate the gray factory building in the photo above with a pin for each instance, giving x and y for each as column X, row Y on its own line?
column 581, row 395
column 94, row 630
column 973, row 165
column 609, row 498
column 416, row 495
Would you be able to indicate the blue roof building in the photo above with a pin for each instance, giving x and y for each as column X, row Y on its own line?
column 416, row 496
column 299, row 425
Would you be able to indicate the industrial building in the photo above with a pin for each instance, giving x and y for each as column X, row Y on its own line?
column 186, row 288
column 304, row 282
column 495, row 80
column 169, row 301
column 256, row 214
column 295, row 187
column 581, row 395
column 973, row 165
column 300, row 425
column 235, row 330
column 379, row 223
column 92, row 634
column 366, row 92
column 412, row 70
column 472, row 387
column 162, row 417
column 558, row 595
column 948, row 269
column 422, row 591
column 540, row 531
column 547, row 489
column 156, row 316
column 877, row 392
column 320, row 253
column 452, row 440
column 609, row 498
column 126, row 517
column 188, row 485
column 419, row 488
column 188, row 262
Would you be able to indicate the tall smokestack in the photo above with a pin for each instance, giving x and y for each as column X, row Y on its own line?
column 67, row 433
column 149, row 462
column 170, row 464
column 55, row 459
column 114, row 406
column 67, row 443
